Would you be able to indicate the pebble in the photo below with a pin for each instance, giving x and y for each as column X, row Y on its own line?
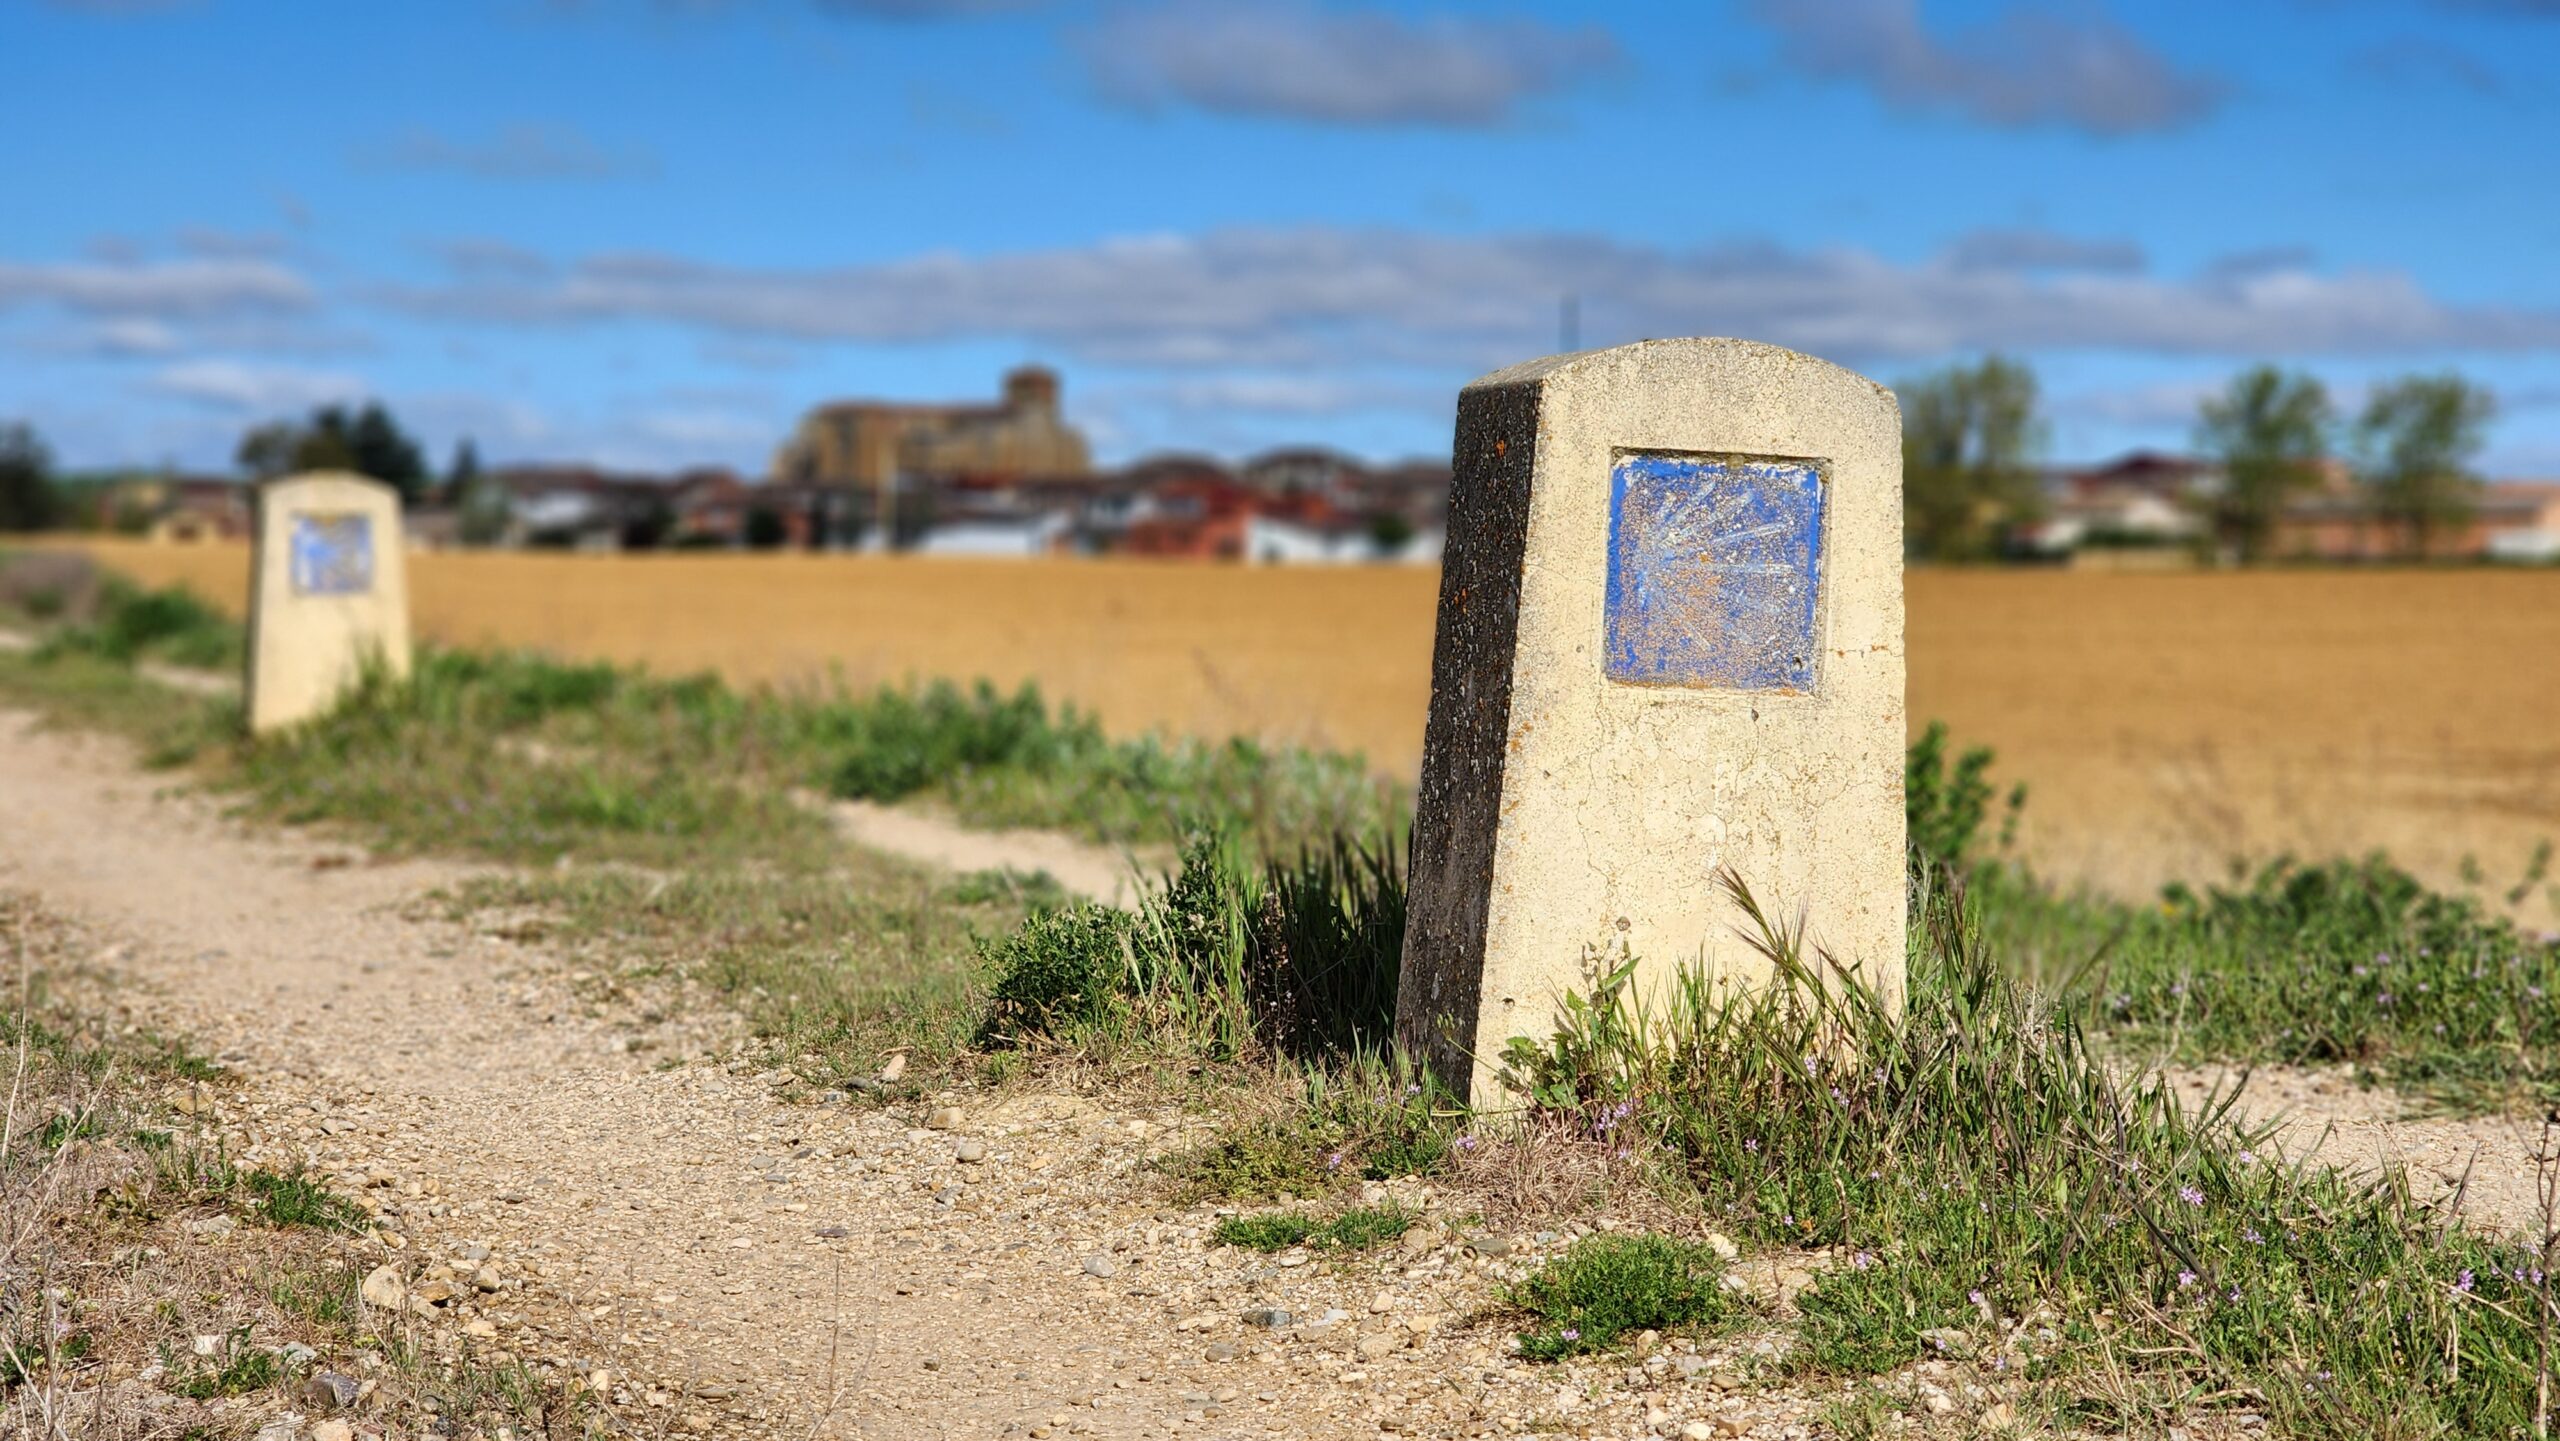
column 970, row 1152
column 943, row 1118
column 333, row 1430
column 383, row 1289
column 895, row 1067
column 1270, row 1317
column 1100, row 1266
column 329, row 1391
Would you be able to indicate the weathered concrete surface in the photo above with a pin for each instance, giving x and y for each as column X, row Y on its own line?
column 328, row 593
column 1566, row 817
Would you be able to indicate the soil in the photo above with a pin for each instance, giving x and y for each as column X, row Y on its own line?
column 738, row 1263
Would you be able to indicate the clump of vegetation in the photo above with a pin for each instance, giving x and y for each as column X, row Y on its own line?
column 1361, row 1119
column 1295, row 957
column 1948, row 800
column 1974, row 1158
column 2350, row 962
column 1360, row 1228
column 1011, row 760
column 237, row 1368
column 1607, row 1287
column 295, row 1198
column 131, row 624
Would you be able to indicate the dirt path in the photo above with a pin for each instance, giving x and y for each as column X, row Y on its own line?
column 739, row 1265
column 1082, row 868
column 2482, row 1165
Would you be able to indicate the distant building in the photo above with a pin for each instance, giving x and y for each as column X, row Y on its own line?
column 857, row 444
column 201, row 507
column 2142, row 500
column 2509, row 521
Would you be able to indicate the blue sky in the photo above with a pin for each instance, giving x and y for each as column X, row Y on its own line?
column 650, row 232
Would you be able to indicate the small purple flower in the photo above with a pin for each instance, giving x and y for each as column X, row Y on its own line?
column 1753, row 1146
column 1975, row 1297
column 1333, row 1162
column 2191, row 1195
column 1863, row 1260
column 2464, row 1285
column 1572, row 1334
column 2384, row 998
column 2248, row 1158
column 2186, row 1279
column 1467, row 1142
column 2250, row 1235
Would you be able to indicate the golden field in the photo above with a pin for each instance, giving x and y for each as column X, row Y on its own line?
column 2164, row 723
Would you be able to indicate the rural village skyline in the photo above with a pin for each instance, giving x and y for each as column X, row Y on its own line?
column 651, row 234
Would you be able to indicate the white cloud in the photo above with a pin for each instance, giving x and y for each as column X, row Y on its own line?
column 1302, row 61
column 241, row 386
column 2030, row 67
column 1283, row 298
column 168, row 289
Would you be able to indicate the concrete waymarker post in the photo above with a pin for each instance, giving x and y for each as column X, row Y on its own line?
column 328, row 593
column 1670, row 641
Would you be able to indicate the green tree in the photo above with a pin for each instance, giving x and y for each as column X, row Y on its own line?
column 368, row 442
column 28, row 500
column 381, row 449
column 2271, row 431
column 323, row 444
column 2415, row 442
column 269, row 450
column 1968, row 435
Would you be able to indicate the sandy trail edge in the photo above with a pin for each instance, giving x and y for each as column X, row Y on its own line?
column 676, row 1215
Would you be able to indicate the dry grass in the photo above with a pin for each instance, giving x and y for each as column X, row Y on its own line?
column 149, row 1287
column 2164, row 722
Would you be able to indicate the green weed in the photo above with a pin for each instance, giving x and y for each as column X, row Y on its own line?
column 294, row 1198
column 236, row 1369
column 1295, row 958
column 1360, row 1228
column 1607, row 1287
column 168, row 624
column 1358, row 1120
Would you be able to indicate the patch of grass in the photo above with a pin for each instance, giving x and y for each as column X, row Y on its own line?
column 294, row 1198
column 1360, row 1228
column 2350, row 962
column 169, row 624
column 1034, row 892
column 526, row 760
column 86, row 692
column 237, row 1368
column 1295, row 958
column 321, row 1295
column 1357, row 1120
column 1973, row 1157
column 1607, row 1287
column 1011, row 760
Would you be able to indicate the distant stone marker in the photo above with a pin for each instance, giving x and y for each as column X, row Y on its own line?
column 1670, row 641
column 328, row 593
